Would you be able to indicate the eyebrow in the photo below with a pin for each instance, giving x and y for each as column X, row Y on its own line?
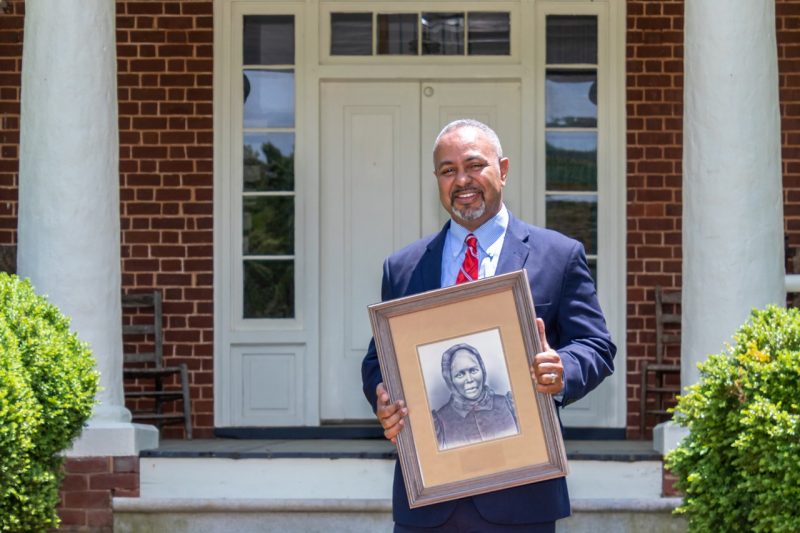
column 469, row 159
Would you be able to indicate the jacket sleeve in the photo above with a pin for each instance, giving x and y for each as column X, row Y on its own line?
column 370, row 367
column 584, row 342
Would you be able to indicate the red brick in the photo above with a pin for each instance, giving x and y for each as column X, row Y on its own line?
column 129, row 481
column 87, row 465
column 74, row 482
column 72, row 517
column 89, row 499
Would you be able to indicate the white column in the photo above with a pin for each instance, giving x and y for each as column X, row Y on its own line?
column 68, row 228
column 732, row 197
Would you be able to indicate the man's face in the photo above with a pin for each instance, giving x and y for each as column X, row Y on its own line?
column 465, row 370
column 470, row 176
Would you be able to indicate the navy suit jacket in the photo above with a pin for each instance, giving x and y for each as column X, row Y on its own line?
column 565, row 298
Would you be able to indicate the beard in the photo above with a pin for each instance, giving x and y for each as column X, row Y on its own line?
column 468, row 214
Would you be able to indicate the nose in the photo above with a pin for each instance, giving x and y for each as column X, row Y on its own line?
column 463, row 176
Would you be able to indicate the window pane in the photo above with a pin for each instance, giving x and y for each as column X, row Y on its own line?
column 489, row 34
column 268, row 289
column 397, row 34
column 269, row 99
column 443, row 34
column 571, row 39
column 571, row 98
column 268, row 162
column 268, row 225
column 351, row 34
column 269, row 40
column 571, row 161
column 575, row 216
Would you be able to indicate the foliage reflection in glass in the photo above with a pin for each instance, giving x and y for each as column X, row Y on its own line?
column 571, row 160
column 268, row 160
column 268, row 225
column 269, row 289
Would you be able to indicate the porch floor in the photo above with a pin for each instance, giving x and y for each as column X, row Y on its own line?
column 577, row 450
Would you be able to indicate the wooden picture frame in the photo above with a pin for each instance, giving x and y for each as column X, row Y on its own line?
column 440, row 459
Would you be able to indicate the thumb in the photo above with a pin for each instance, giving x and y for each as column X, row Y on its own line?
column 542, row 335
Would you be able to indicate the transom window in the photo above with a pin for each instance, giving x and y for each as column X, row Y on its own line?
column 471, row 33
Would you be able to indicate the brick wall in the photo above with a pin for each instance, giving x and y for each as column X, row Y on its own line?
column 655, row 124
column 654, row 120
column 11, row 21
column 88, row 486
column 165, row 118
column 788, row 32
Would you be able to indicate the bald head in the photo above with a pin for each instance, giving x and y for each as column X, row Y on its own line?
column 494, row 140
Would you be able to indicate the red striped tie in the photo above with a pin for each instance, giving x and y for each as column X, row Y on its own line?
column 469, row 268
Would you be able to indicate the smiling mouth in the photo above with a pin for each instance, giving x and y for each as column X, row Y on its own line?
column 465, row 195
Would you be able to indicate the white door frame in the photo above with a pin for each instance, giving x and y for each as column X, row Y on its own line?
column 313, row 67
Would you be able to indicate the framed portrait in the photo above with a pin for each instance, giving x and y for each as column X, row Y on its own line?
column 460, row 358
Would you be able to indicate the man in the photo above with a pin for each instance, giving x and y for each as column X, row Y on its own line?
column 471, row 172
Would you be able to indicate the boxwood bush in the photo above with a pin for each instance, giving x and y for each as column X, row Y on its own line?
column 739, row 468
column 47, row 389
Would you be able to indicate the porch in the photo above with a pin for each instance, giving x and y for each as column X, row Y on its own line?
column 234, row 485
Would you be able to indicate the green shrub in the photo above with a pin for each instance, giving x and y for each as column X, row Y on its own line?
column 739, row 468
column 47, row 389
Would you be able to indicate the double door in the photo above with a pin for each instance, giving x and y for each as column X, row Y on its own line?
column 377, row 194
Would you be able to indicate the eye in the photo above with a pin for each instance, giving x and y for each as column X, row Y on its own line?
column 473, row 371
column 459, row 375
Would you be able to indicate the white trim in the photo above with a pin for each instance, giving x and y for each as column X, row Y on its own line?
column 231, row 332
column 611, row 189
column 312, row 67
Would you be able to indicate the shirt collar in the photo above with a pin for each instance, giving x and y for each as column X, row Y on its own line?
column 488, row 234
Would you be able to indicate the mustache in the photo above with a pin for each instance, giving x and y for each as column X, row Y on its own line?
column 458, row 191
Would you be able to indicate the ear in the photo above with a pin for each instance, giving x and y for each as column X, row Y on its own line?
column 503, row 170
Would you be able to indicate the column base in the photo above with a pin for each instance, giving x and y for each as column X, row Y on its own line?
column 667, row 435
column 113, row 439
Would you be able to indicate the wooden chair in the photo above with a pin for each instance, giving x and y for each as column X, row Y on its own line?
column 149, row 366
column 667, row 334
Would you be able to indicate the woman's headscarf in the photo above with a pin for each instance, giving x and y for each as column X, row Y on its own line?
column 461, row 402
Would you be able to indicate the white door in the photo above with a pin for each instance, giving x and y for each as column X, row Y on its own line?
column 369, row 207
column 496, row 104
column 378, row 193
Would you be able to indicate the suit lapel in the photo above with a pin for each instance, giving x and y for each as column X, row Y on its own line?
column 515, row 247
column 431, row 262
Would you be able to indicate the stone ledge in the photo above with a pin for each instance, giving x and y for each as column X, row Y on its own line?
column 189, row 505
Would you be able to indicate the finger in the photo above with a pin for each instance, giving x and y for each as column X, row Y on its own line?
column 382, row 393
column 392, row 432
column 542, row 335
column 550, row 384
column 391, row 416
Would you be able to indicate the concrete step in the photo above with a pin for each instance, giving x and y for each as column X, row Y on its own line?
column 327, row 485
column 151, row 515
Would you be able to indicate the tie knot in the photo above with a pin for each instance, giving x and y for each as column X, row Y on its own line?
column 469, row 269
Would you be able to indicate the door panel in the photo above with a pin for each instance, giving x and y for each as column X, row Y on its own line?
column 494, row 104
column 369, row 208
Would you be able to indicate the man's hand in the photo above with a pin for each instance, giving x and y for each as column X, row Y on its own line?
column 547, row 371
column 390, row 415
